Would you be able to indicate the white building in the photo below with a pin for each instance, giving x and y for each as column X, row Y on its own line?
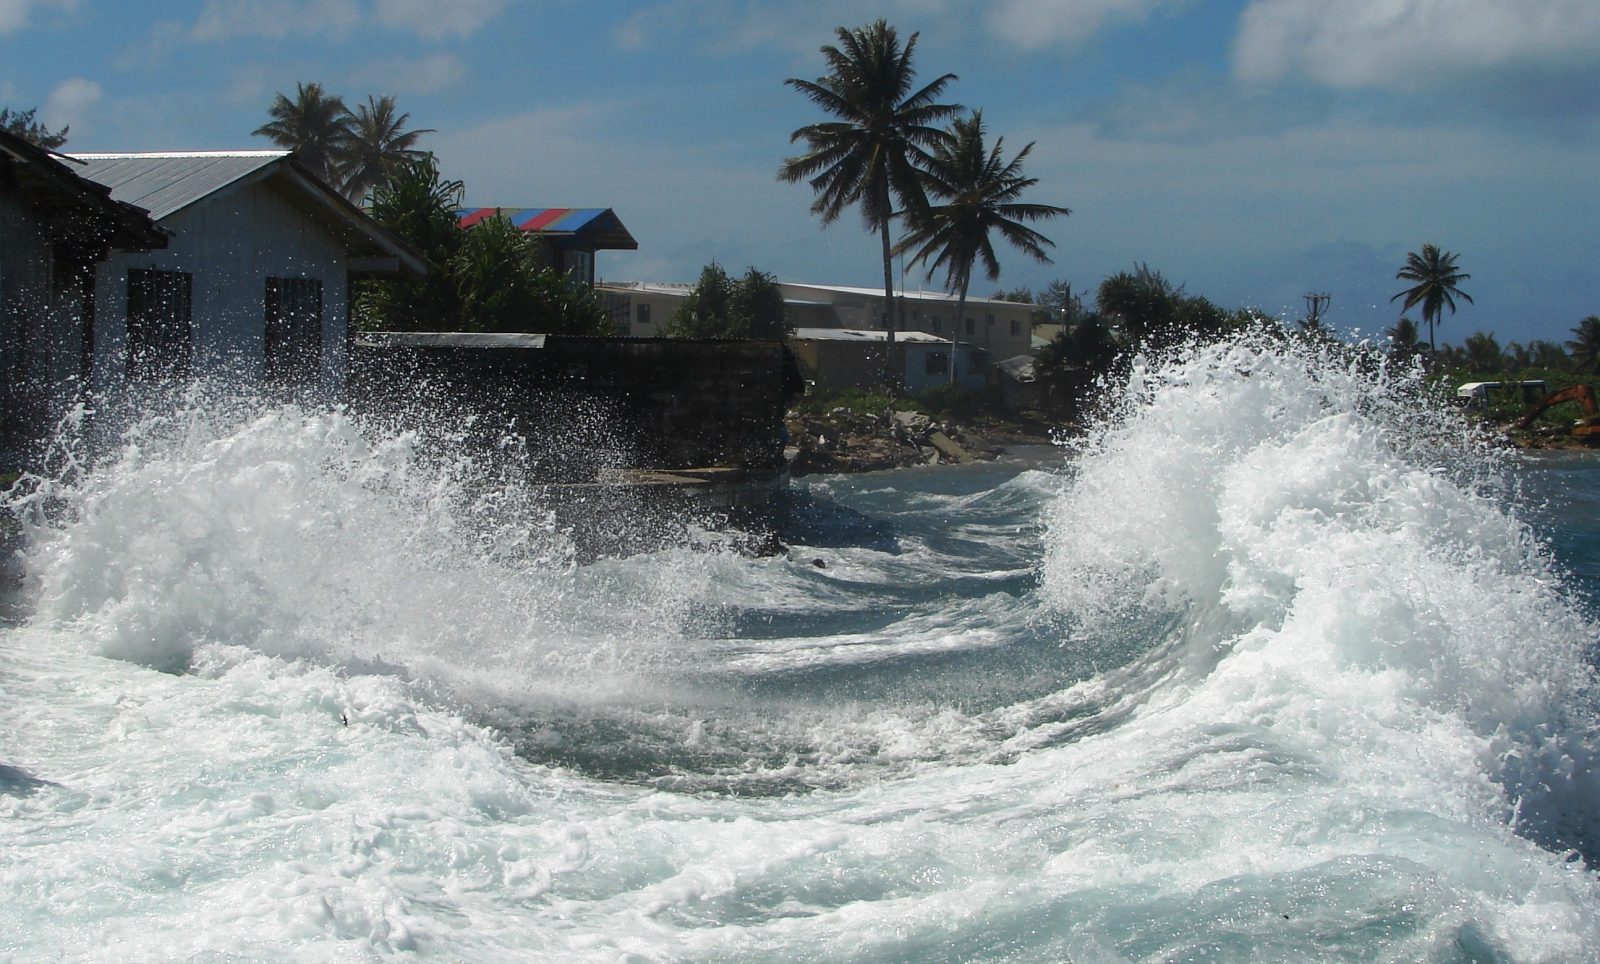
column 55, row 226
column 254, row 281
column 1001, row 328
column 834, row 358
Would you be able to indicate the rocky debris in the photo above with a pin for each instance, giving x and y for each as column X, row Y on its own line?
column 845, row 441
column 1558, row 437
column 947, row 448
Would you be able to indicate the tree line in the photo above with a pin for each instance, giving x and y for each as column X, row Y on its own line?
column 750, row 306
column 491, row 278
column 350, row 150
column 1481, row 353
column 885, row 153
column 22, row 123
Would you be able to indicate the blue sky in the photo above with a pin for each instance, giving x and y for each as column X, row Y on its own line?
column 1253, row 150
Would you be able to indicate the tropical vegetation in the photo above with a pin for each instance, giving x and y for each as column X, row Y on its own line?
column 1435, row 285
column 492, row 277
column 1585, row 345
column 22, row 124
column 750, row 306
column 378, row 139
column 1136, row 310
column 1404, row 340
column 979, row 191
column 349, row 150
column 883, row 131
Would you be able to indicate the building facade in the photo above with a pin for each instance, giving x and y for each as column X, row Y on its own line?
column 838, row 358
column 254, row 283
column 1001, row 328
column 991, row 331
column 55, row 226
column 570, row 237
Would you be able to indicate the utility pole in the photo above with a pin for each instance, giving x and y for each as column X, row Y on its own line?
column 1316, row 304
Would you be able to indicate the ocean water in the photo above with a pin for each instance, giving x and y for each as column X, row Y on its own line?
column 1279, row 663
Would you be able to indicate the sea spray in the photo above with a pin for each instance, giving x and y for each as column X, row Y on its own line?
column 1003, row 721
column 1342, row 566
column 304, row 532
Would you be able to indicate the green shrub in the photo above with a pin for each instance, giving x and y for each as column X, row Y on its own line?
column 858, row 401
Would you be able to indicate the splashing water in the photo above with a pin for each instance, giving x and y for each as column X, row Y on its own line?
column 1273, row 668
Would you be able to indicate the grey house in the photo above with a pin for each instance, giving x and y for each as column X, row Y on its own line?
column 254, row 283
column 55, row 227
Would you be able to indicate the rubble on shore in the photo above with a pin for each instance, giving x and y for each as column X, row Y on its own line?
column 843, row 440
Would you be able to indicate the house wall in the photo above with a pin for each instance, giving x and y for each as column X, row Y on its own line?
column 231, row 243
column 41, row 330
column 624, row 303
column 834, row 365
column 1002, row 328
column 917, row 377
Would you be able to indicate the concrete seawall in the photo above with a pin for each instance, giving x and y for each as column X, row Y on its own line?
column 664, row 403
column 649, row 430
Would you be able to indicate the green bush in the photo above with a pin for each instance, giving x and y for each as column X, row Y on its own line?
column 858, row 401
column 1508, row 406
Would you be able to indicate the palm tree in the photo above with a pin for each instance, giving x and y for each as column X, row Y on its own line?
column 979, row 188
column 869, row 156
column 377, row 140
column 1585, row 344
column 1435, row 285
column 313, row 125
column 1403, row 338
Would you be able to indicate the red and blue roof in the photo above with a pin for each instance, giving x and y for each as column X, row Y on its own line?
column 597, row 228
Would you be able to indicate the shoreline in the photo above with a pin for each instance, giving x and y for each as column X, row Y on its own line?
column 842, row 441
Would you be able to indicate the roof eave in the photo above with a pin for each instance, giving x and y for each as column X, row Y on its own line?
column 346, row 211
column 127, row 226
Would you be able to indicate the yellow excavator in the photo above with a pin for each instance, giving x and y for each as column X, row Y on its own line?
column 1586, row 428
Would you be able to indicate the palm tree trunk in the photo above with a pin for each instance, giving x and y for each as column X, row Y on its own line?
column 961, row 311
column 1432, row 350
column 895, row 370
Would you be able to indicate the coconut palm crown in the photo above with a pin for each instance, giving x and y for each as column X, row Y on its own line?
column 869, row 156
column 1585, row 344
column 377, row 141
column 314, row 125
column 979, row 190
column 1435, row 285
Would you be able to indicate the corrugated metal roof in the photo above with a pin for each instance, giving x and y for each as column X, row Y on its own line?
column 939, row 296
column 598, row 226
column 450, row 339
column 49, row 182
column 1019, row 367
column 164, row 184
column 865, row 335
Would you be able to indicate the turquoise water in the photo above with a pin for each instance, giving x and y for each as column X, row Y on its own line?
column 1278, row 664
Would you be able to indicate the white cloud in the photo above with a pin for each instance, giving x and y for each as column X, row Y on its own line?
column 71, row 101
column 1032, row 24
column 428, row 19
column 427, row 74
column 1412, row 44
column 432, row 20
column 15, row 14
column 685, row 203
column 731, row 26
column 232, row 19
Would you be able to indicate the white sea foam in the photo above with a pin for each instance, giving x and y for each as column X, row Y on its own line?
column 1290, row 682
column 1349, row 583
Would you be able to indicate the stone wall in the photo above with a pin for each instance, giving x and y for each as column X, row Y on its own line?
column 583, row 405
